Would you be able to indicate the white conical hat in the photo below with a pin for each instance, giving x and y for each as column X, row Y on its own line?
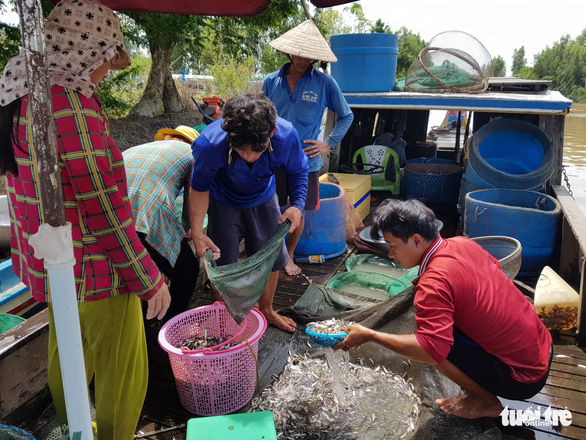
column 305, row 41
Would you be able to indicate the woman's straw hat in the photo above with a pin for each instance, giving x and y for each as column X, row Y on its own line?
column 304, row 41
column 183, row 131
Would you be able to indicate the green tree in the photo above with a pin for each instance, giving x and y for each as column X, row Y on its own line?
column 122, row 90
column 564, row 64
column 519, row 60
column 548, row 61
column 499, row 68
column 231, row 76
column 527, row 72
column 361, row 24
column 410, row 45
column 10, row 39
column 161, row 32
column 9, row 43
column 331, row 22
column 198, row 38
column 380, row 27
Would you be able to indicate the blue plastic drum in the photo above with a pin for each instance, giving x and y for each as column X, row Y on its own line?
column 529, row 216
column 325, row 228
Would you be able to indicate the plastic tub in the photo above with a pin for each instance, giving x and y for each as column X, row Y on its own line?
column 325, row 340
column 366, row 62
column 213, row 382
column 324, row 232
column 512, row 154
column 383, row 265
column 507, row 250
column 368, row 284
column 529, row 216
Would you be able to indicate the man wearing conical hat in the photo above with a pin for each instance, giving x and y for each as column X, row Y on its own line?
column 301, row 93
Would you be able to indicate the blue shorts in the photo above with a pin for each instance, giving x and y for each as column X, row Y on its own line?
column 227, row 226
column 490, row 372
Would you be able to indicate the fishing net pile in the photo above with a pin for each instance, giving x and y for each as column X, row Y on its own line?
column 395, row 315
column 452, row 61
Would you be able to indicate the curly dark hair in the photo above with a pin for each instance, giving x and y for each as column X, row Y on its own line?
column 249, row 120
column 404, row 218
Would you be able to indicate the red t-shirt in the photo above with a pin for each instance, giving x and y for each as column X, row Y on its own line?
column 464, row 286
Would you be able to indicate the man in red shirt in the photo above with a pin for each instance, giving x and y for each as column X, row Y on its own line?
column 473, row 324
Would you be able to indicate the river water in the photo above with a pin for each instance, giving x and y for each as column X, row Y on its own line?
column 575, row 153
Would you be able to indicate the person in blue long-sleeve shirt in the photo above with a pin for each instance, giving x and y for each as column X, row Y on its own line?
column 301, row 93
column 233, row 181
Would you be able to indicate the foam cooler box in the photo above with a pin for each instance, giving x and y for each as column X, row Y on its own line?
column 357, row 186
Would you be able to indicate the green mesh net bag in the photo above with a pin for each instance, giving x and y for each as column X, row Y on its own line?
column 453, row 61
column 241, row 284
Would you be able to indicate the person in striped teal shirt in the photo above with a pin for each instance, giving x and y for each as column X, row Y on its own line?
column 156, row 173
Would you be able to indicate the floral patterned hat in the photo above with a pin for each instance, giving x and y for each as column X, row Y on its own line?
column 80, row 36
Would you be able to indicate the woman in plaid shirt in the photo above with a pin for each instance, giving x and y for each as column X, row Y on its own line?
column 113, row 271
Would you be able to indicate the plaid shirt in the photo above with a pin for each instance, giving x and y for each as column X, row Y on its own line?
column 156, row 173
column 110, row 259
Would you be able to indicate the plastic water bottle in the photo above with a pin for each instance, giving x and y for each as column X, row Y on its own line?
column 311, row 259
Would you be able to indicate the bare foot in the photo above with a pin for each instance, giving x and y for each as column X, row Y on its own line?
column 281, row 322
column 292, row 269
column 469, row 407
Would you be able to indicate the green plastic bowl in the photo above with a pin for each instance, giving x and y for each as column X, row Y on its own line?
column 369, row 284
column 8, row 321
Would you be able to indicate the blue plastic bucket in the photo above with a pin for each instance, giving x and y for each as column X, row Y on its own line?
column 324, row 232
column 366, row 62
column 508, row 153
column 529, row 216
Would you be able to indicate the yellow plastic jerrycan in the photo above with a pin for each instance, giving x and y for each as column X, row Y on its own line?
column 556, row 302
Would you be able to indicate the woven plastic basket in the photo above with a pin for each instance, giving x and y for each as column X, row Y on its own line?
column 433, row 184
column 214, row 382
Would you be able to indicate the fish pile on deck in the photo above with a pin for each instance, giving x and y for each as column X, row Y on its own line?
column 197, row 343
column 333, row 398
column 329, row 327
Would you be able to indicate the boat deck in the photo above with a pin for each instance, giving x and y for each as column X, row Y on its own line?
column 164, row 418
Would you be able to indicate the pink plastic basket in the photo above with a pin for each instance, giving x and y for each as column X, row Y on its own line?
column 214, row 382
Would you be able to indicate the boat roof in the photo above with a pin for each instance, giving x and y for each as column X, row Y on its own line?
column 549, row 102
